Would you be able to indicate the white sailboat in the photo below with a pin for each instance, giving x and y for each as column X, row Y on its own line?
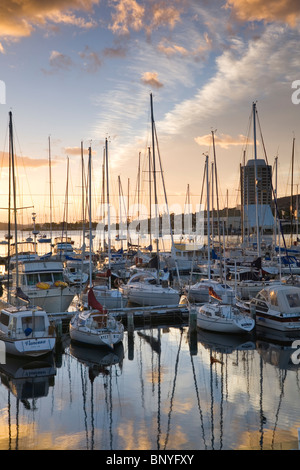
column 145, row 289
column 105, row 295
column 96, row 327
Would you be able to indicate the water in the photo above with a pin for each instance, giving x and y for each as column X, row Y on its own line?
column 160, row 390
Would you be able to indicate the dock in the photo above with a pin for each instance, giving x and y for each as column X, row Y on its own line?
column 133, row 316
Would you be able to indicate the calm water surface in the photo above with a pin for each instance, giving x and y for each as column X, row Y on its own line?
column 159, row 390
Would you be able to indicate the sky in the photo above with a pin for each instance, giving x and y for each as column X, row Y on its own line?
column 77, row 71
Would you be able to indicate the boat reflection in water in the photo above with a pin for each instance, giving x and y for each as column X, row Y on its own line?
column 98, row 362
column 27, row 380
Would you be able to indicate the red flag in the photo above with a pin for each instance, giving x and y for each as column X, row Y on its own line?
column 93, row 302
column 213, row 294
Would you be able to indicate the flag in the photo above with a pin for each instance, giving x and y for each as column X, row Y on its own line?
column 213, row 294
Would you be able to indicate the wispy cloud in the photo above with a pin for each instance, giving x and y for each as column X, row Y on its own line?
column 23, row 161
column 224, row 140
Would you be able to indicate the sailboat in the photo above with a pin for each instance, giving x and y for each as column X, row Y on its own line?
column 147, row 288
column 106, row 296
column 25, row 331
column 95, row 326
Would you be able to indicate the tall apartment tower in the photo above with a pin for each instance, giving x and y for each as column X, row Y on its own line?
column 264, row 194
column 264, row 183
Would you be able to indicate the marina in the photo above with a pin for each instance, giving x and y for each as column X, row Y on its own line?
column 164, row 344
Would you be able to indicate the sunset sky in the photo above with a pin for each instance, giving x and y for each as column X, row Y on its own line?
column 83, row 70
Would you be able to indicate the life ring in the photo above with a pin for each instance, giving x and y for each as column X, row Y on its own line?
column 43, row 285
column 60, row 284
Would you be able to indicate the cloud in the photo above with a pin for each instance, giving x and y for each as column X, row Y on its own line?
column 92, row 60
column 128, row 15
column 244, row 72
column 59, row 61
column 287, row 11
column 20, row 18
column 77, row 151
column 151, row 79
column 224, row 141
column 24, row 161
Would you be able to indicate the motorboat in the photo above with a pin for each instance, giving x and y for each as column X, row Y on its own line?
column 42, row 283
column 95, row 326
column 277, row 307
column 76, row 272
column 145, row 288
column 26, row 331
column 200, row 291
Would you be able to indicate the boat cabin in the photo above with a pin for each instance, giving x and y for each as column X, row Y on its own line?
column 17, row 322
column 31, row 273
column 283, row 299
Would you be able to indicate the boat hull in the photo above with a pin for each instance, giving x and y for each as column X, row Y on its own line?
column 224, row 321
column 51, row 300
column 282, row 322
column 32, row 347
column 152, row 297
column 105, row 338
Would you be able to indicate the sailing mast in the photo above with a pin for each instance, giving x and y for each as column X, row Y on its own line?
column 50, row 189
column 292, row 185
column 154, row 181
column 108, row 213
column 256, row 181
column 12, row 164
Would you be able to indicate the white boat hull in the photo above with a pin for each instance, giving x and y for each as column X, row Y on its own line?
column 225, row 322
column 276, row 322
column 51, row 300
column 32, row 347
column 109, row 298
column 152, row 297
column 100, row 339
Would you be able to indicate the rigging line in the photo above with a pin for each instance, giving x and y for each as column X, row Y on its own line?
column 83, row 385
column 173, row 391
column 198, row 400
column 275, row 197
column 278, row 408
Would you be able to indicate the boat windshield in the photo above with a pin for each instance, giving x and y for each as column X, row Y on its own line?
column 293, row 300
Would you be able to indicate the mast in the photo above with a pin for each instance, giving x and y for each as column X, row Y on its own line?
column 108, row 212
column 90, row 214
column 292, row 185
column 208, row 217
column 256, row 181
column 50, row 188
column 82, row 203
column 12, row 162
column 154, row 180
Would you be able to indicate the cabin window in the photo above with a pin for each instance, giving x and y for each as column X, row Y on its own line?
column 293, row 300
column 58, row 277
column 32, row 279
column 4, row 319
column 273, row 298
column 34, row 322
column 45, row 277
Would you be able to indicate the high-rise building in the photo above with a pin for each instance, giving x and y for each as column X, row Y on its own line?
column 264, row 183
